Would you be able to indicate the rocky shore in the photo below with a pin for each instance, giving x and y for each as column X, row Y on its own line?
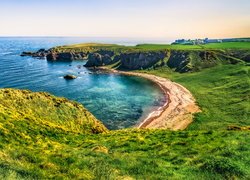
column 127, row 58
column 50, row 55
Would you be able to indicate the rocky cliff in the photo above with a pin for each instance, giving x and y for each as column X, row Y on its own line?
column 179, row 60
column 52, row 55
column 134, row 59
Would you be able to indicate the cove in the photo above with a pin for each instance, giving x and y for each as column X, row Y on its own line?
column 119, row 101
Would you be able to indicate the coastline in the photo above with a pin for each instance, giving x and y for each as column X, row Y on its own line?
column 177, row 113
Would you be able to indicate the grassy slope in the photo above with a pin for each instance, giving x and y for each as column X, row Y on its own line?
column 222, row 92
column 205, row 151
column 41, row 110
column 138, row 154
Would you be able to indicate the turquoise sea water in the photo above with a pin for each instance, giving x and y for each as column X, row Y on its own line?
column 118, row 101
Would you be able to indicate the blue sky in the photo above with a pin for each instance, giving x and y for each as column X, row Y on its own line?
column 126, row 18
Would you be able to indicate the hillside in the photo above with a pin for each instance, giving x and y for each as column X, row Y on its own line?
column 40, row 141
column 35, row 112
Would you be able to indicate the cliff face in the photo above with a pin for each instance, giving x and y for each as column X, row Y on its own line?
column 65, row 56
column 178, row 60
column 130, row 59
column 96, row 59
column 142, row 60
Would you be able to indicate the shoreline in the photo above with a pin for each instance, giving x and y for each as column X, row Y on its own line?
column 178, row 111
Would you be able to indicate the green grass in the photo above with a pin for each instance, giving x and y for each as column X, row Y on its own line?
column 150, row 47
column 228, row 45
column 135, row 154
column 42, row 110
column 222, row 92
column 36, row 147
column 45, row 137
column 224, row 45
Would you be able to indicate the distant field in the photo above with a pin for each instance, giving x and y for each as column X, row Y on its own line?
column 224, row 45
column 153, row 47
column 228, row 45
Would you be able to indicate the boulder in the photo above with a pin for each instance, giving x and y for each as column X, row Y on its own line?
column 69, row 77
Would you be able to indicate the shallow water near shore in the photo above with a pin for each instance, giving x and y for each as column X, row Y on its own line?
column 118, row 101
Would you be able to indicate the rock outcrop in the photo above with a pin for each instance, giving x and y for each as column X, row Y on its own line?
column 96, row 59
column 140, row 60
column 51, row 55
column 69, row 77
column 66, row 56
column 41, row 53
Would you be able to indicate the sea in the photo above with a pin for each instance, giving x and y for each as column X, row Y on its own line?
column 118, row 101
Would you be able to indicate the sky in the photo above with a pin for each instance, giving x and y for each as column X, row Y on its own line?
column 126, row 18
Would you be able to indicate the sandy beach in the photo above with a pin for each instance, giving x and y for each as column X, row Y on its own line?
column 177, row 113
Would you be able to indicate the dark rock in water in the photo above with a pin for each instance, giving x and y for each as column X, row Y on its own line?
column 27, row 53
column 65, row 56
column 79, row 66
column 41, row 53
column 51, row 56
column 41, row 50
column 54, row 56
column 69, row 77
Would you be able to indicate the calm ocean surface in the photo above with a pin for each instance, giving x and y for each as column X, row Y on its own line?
column 118, row 101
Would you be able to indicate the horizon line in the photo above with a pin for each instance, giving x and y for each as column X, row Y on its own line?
column 112, row 37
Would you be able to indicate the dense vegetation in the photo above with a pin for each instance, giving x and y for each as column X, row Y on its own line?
column 43, row 137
